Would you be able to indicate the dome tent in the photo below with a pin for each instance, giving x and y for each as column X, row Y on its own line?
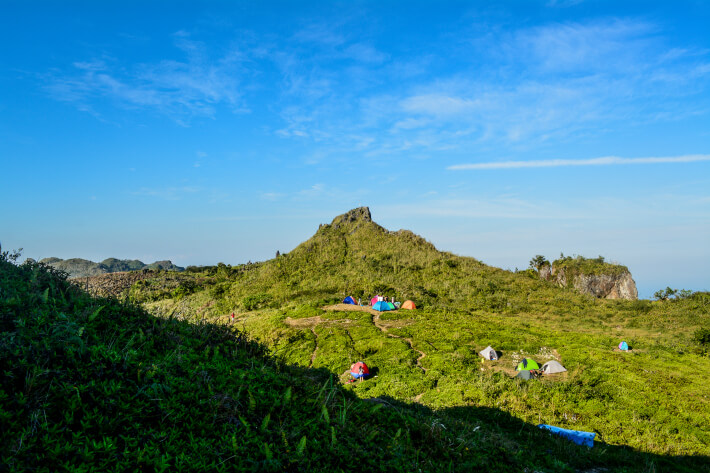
column 527, row 364
column 623, row 346
column 349, row 300
column 383, row 306
column 552, row 367
column 408, row 305
column 489, row 353
column 355, row 370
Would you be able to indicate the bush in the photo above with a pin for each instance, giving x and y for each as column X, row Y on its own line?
column 702, row 337
column 256, row 301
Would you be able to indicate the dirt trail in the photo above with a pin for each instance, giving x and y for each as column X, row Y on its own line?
column 305, row 322
column 385, row 329
column 315, row 350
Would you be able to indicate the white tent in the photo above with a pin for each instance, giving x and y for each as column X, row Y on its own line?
column 489, row 353
column 553, row 367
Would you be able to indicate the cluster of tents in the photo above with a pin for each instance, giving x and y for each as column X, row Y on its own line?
column 382, row 305
column 527, row 367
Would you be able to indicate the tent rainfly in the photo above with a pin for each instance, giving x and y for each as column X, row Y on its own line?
column 552, row 367
column 408, row 305
column 383, row 306
column 489, row 353
column 528, row 364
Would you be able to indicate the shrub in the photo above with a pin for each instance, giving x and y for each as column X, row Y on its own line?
column 256, row 301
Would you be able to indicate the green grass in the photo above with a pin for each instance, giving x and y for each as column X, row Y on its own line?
column 653, row 400
column 649, row 407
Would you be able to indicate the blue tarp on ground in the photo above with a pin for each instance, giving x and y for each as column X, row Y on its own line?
column 382, row 306
column 577, row 436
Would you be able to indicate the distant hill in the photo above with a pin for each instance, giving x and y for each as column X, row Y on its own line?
column 81, row 268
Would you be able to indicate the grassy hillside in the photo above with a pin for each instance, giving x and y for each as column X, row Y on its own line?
column 95, row 384
column 653, row 400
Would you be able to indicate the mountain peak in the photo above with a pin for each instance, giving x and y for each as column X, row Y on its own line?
column 355, row 215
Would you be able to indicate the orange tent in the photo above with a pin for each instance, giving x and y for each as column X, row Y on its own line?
column 408, row 305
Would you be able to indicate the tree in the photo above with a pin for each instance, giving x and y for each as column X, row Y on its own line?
column 538, row 262
column 665, row 294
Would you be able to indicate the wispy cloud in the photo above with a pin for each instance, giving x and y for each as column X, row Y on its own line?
column 181, row 89
column 603, row 161
column 167, row 193
column 558, row 81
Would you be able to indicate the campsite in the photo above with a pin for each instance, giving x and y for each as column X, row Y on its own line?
column 430, row 356
column 449, row 360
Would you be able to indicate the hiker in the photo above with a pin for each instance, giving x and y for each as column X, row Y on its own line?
column 359, row 301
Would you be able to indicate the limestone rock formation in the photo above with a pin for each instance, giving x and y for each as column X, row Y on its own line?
column 359, row 214
column 593, row 277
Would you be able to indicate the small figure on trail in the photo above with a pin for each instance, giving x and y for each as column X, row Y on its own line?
column 359, row 301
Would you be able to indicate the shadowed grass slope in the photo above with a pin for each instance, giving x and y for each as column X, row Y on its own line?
column 95, row 384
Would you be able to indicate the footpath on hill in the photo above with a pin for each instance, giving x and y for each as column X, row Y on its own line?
column 382, row 326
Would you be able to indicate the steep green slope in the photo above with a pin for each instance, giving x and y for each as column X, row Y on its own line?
column 94, row 384
column 355, row 256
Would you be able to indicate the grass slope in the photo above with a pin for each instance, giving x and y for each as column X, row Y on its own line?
column 653, row 400
column 95, row 384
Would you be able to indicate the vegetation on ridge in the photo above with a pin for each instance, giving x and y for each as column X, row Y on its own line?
column 652, row 399
column 93, row 383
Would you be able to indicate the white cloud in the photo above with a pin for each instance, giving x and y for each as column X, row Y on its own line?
column 603, row 161
column 167, row 193
column 180, row 89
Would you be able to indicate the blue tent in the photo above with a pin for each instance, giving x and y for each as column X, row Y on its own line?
column 382, row 306
column 577, row 436
column 349, row 300
column 623, row 346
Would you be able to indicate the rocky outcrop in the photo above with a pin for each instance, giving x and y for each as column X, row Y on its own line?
column 593, row 277
column 603, row 286
column 355, row 215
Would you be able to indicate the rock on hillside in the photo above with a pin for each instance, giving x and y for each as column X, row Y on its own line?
column 592, row 276
column 82, row 268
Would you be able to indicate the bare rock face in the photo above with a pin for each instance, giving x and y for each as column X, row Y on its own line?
column 545, row 272
column 355, row 215
column 604, row 286
column 607, row 286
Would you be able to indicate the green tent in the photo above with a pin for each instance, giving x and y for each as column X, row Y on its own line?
column 527, row 364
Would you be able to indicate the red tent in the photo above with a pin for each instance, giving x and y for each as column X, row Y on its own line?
column 373, row 301
column 355, row 369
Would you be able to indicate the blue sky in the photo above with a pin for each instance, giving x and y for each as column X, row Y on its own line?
column 228, row 130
